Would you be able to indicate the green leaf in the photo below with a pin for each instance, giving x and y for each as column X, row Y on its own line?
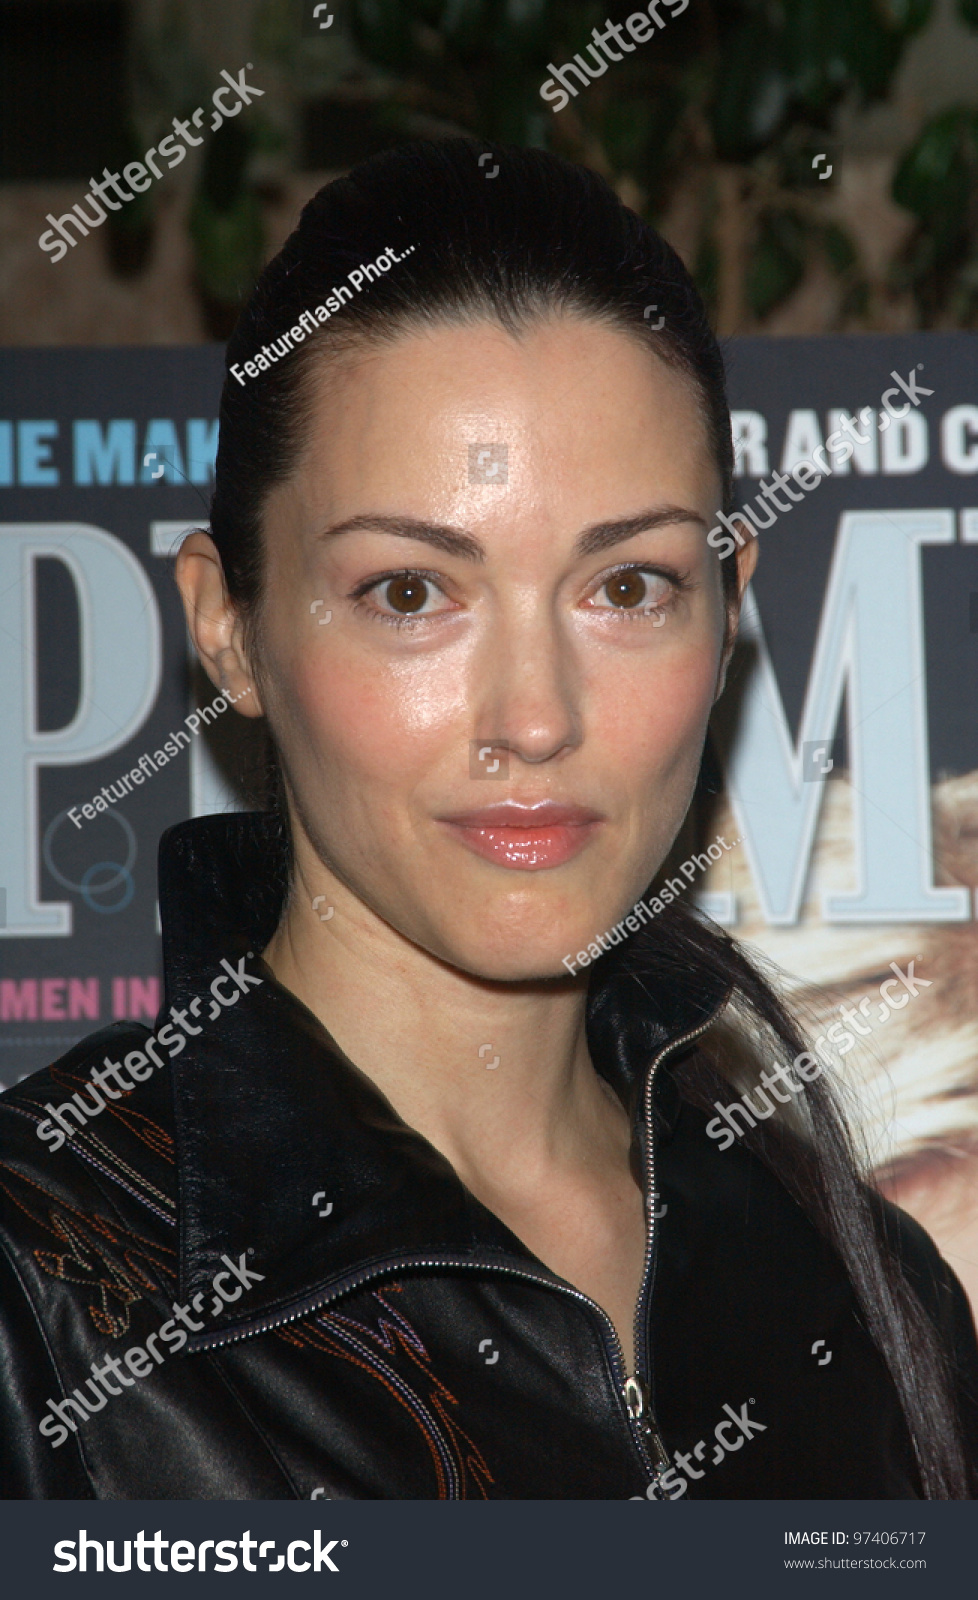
column 520, row 44
column 812, row 50
column 908, row 16
column 871, row 50
column 839, row 248
column 752, row 92
column 273, row 30
column 626, row 130
column 778, row 262
column 228, row 245
column 937, row 173
column 829, row 47
column 467, row 25
column 509, row 113
column 223, row 167
column 383, row 31
column 269, row 137
column 968, row 12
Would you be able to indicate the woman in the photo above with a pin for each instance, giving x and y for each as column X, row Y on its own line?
column 427, row 1205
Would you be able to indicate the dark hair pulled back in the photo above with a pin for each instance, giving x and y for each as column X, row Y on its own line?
column 542, row 237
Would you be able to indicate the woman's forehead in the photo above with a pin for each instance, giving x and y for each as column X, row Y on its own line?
column 474, row 406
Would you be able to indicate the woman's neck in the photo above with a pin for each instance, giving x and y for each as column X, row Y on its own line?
column 497, row 1076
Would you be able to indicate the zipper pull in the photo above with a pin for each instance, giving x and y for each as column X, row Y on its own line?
column 637, row 1405
column 635, row 1398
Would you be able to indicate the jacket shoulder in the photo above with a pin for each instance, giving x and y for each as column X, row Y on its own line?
column 55, row 1085
column 67, row 1143
column 87, row 1231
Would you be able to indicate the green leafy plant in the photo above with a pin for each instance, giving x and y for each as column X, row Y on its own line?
column 226, row 227
column 720, row 128
column 937, row 180
column 130, row 231
column 732, row 102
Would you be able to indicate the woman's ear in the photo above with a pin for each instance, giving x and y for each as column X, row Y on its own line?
column 746, row 559
column 215, row 623
column 746, row 562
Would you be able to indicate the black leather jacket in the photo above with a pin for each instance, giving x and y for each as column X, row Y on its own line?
column 289, row 1293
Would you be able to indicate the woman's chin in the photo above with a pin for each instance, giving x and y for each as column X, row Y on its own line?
column 507, row 970
column 515, row 939
column 512, row 959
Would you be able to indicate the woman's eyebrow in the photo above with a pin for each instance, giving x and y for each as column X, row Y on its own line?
column 600, row 535
column 453, row 541
column 456, row 542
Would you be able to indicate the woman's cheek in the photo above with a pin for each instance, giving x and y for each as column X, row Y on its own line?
column 376, row 717
column 651, row 717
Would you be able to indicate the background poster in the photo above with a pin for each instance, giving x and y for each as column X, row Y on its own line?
column 848, row 736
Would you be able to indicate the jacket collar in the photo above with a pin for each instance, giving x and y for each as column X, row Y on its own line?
column 270, row 1114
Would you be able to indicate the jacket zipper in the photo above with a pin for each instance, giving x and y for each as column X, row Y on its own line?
column 633, row 1388
column 637, row 1387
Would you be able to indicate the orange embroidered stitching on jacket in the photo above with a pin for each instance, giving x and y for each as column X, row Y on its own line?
column 340, row 1335
column 141, row 1267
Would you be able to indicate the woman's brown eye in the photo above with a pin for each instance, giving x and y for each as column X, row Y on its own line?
column 626, row 589
column 406, row 594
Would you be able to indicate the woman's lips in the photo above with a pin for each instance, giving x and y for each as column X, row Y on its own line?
column 526, row 838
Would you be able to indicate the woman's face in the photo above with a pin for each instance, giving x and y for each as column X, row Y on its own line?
column 494, row 738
